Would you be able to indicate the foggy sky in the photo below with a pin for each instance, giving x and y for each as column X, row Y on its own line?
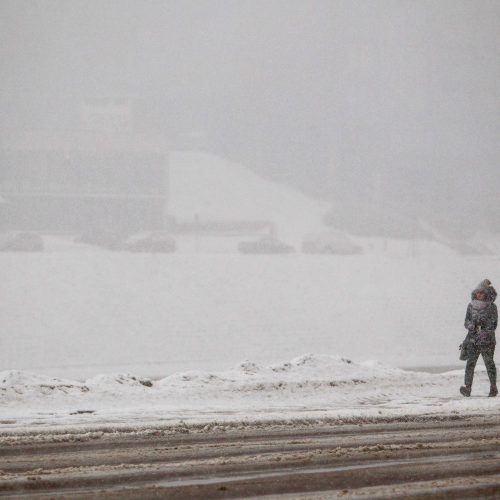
column 334, row 97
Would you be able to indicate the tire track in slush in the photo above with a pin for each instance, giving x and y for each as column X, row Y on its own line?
column 291, row 460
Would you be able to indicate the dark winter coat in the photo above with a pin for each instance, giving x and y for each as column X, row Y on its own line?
column 482, row 324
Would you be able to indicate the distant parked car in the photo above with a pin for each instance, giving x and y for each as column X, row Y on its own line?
column 266, row 244
column 17, row 241
column 153, row 241
column 102, row 238
column 333, row 242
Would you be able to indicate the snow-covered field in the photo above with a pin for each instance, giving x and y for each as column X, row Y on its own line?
column 77, row 311
column 79, row 314
column 186, row 320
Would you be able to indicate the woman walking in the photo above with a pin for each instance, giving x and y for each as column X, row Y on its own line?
column 481, row 321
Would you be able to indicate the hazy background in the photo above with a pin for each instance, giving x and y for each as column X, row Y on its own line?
column 380, row 107
column 379, row 118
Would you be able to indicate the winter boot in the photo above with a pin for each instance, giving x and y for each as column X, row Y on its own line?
column 465, row 390
column 493, row 391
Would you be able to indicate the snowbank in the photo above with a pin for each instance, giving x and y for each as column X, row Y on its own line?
column 309, row 386
column 23, row 383
column 304, row 372
column 308, row 372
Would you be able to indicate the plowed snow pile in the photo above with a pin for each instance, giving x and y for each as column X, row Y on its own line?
column 309, row 386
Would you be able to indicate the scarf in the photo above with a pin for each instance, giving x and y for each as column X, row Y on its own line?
column 479, row 305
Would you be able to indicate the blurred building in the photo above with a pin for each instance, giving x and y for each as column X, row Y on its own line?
column 74, row 181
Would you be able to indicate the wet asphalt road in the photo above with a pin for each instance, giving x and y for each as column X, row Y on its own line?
column 430, row 458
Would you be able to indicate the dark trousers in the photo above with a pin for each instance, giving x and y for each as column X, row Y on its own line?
column 473, row 354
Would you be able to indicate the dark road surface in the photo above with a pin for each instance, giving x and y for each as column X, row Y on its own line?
column 434, row 458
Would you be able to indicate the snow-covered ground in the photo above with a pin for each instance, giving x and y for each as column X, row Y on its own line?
column 78, row 314
column 306, row 387
column 75, row 311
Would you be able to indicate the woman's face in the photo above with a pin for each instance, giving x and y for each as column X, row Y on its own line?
column 481, row 295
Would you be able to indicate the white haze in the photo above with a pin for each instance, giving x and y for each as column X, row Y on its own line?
column 400, row 95
column 376, row 118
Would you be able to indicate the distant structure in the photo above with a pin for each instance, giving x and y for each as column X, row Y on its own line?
column 107, row 114
column 102, row 177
